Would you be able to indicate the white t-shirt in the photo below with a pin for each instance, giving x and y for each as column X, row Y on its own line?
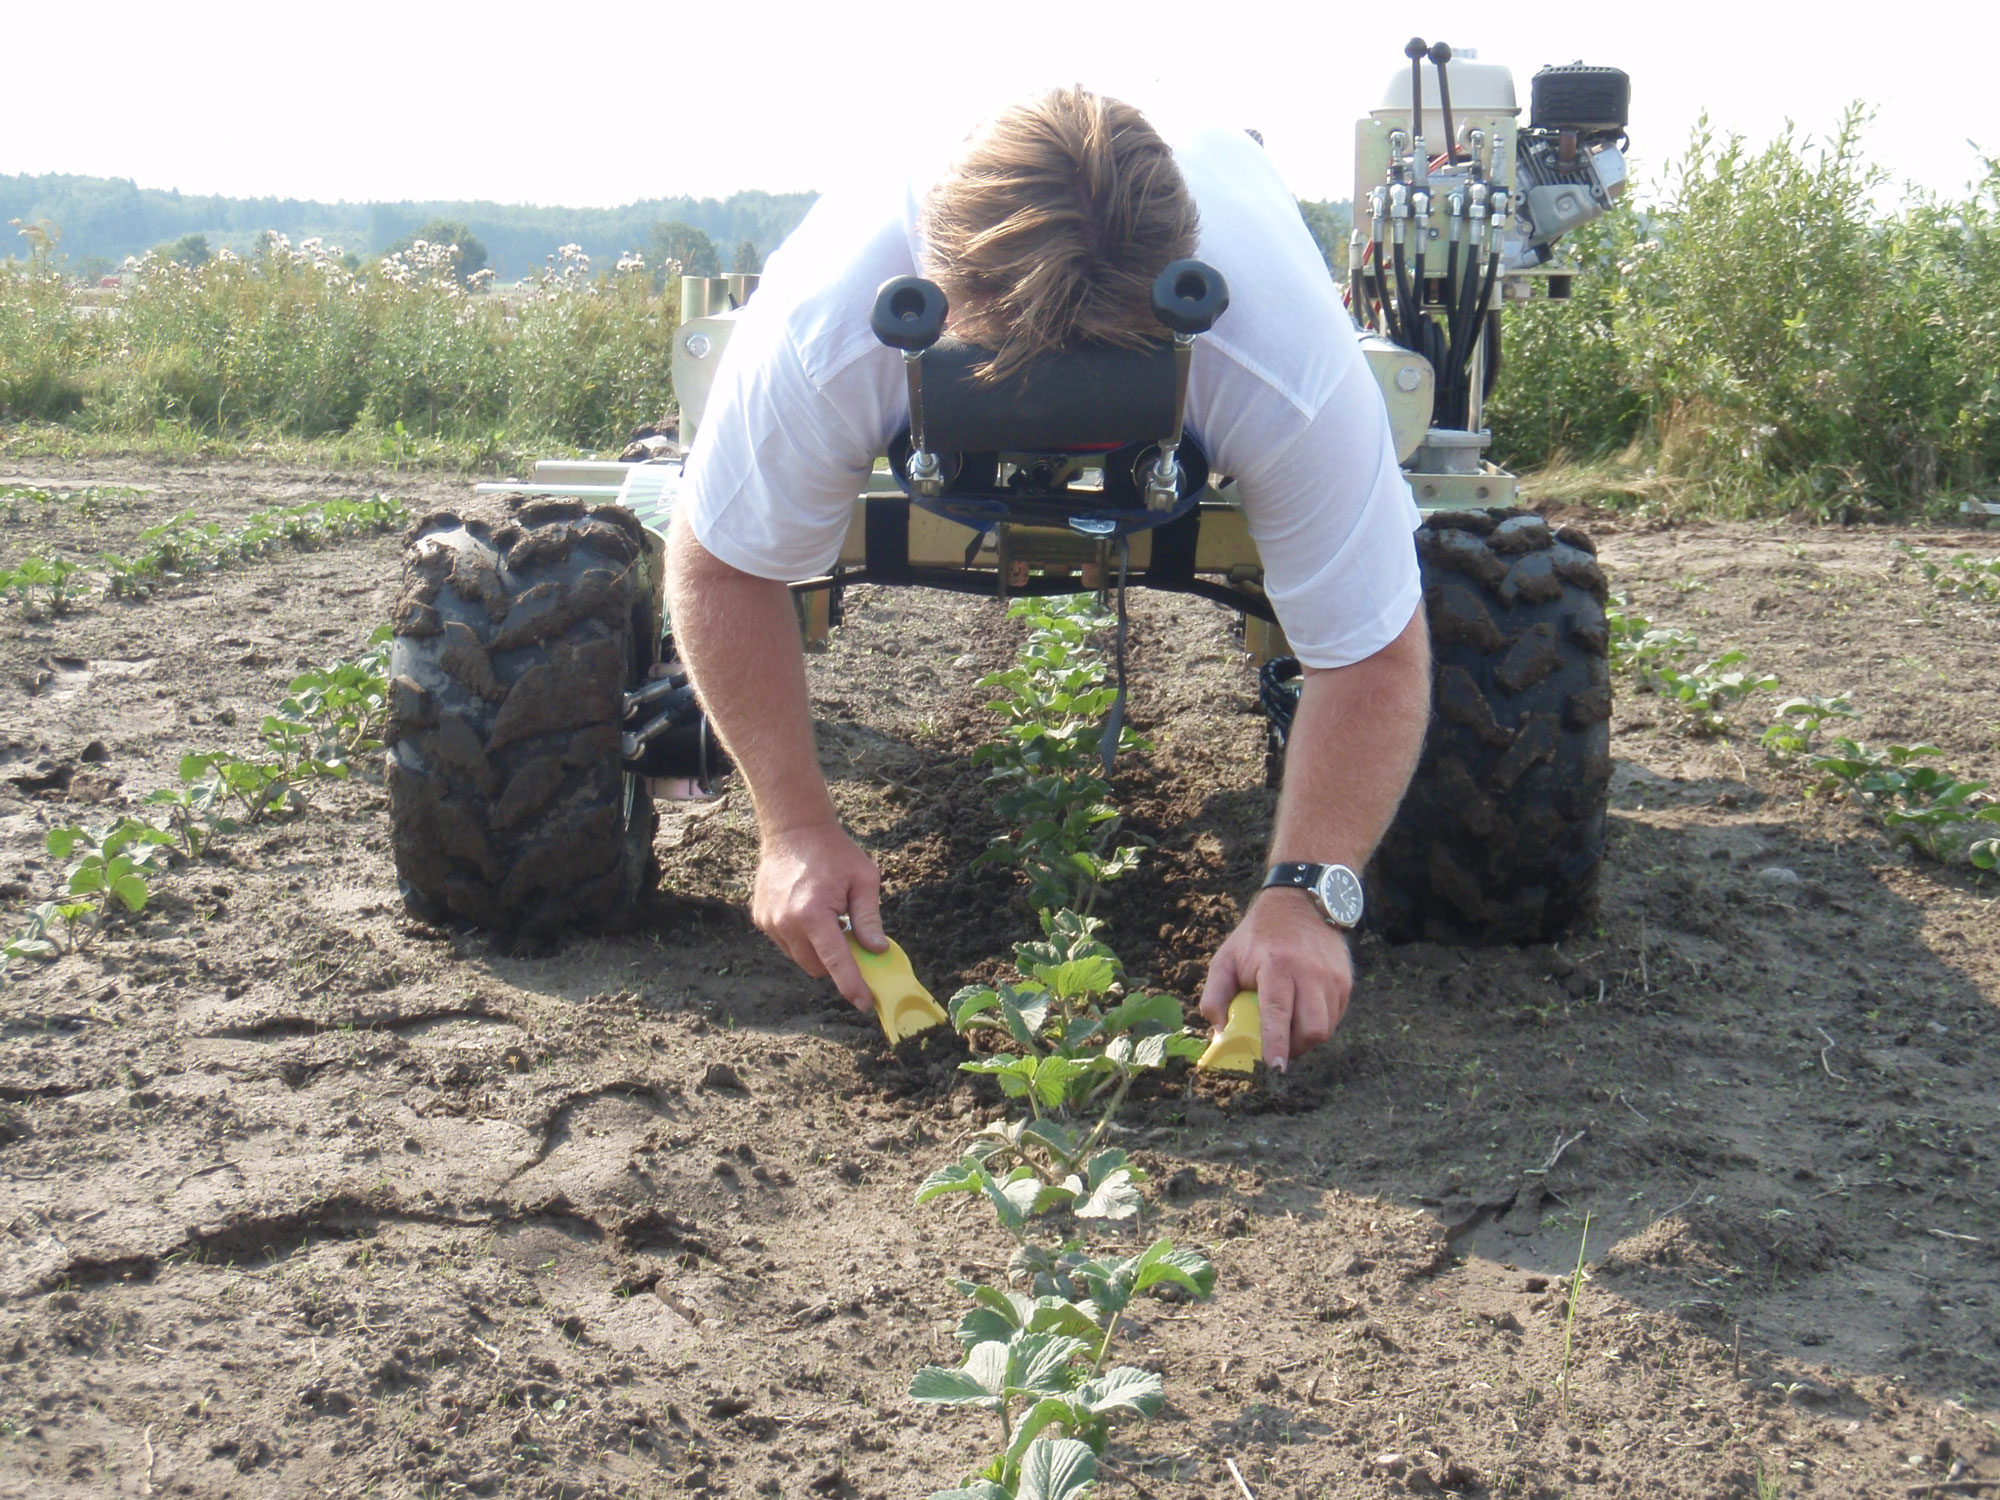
column 1279, row 397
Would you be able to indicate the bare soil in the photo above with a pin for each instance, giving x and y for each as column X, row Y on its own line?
column 300, row 1196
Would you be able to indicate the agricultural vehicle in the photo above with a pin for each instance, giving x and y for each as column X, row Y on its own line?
column 534, row 691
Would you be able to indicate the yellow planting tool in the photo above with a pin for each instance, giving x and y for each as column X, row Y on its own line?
column 1241, row 1046
column 903, row 1006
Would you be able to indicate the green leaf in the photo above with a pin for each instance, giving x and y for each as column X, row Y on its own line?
column 1061, row 1469
column 87, row 878
column 964, row 1176
column 1010, row 1213
column 1136, row 1011
column 1053, row 1077
column 1045, row 1413
column 1015, row 1075
column 973, row 1000
column 1079, row 977
column 1117, row 1197
column 979, row 1381
column 1040, row 1363
column 1187, row 1044
column 1052, row 1135
column 983, row 1325
column 1029, row 1195
column 1024, row 1012
column 1161, row 1262
column 131, row 889
column 62, row 840
column 1124, row 1388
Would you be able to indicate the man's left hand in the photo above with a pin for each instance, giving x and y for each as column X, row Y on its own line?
column 1296, row 962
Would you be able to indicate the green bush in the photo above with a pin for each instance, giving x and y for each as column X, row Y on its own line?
column 1769, row 333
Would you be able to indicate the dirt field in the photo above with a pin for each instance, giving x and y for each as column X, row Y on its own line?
column 301, row 1197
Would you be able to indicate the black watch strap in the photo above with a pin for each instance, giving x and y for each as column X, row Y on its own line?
column 1300, row 874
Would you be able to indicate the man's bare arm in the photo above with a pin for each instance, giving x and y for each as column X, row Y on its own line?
column 739, row 636
column 1354, row 744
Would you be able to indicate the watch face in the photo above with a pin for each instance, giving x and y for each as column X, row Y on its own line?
column 1339, row 891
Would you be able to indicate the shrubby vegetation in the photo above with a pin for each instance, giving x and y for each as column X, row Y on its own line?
column 294, row 343
column 1771, row 336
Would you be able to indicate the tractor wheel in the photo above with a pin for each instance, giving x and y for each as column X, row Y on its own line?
column 1501, row 835
column 521, row 623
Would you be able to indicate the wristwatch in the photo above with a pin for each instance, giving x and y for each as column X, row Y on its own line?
column 1334, row 888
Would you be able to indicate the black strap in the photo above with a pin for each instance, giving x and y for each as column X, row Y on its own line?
column 1172, row 564
column 1298, row 874
column 1114, row 722
column 886, row 539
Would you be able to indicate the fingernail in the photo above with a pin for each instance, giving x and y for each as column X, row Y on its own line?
column 1278, row 1065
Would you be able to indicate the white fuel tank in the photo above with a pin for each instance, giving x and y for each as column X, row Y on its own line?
column 1477, row 88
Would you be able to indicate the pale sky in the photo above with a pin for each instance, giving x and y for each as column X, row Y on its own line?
column 601, row 102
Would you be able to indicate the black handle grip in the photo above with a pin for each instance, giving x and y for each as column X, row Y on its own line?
column 909, row 313
column 1188, row 297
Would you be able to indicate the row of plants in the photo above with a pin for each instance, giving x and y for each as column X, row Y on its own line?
column 1903, row 789
column 1047, row 767
column 1962, row 575
column 49, row 583
column 1775, row 332
column 88, row 501
column 1065, row 1041
column 294, row 343
column 330, row 719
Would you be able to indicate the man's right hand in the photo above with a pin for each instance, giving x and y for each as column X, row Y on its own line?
column 808, row 878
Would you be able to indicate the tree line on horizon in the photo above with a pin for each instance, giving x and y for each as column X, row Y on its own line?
column 102, row 220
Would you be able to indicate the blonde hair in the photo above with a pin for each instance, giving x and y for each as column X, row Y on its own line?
column 1051, row 226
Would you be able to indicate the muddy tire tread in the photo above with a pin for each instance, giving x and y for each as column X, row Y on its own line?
column 1501, row 836
column 520, row 624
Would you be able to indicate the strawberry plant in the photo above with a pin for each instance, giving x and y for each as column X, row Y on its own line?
column 44, row 586
column 1796, row 729
column 116, row 859
column 1928, row 807
column 1039, row 1359
column 190, row 809
column 345, row 703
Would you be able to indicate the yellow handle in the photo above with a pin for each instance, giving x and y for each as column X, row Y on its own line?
column 903, row 1006
column 1241, row 1046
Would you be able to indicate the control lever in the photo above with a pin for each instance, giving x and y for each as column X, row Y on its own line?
column 1187, row 298
column 909, row 315
column 1440, row 55
column 1420, row 163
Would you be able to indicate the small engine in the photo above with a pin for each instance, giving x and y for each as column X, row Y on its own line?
column 1570, row 161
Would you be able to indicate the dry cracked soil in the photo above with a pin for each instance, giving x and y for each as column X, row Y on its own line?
column 300, row 1196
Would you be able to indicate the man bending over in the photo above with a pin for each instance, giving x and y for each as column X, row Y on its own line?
column 1047, row 232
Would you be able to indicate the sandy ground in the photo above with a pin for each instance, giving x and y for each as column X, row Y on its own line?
column 301, row 1196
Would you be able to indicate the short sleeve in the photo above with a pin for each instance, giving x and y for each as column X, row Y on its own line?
column 1333, row 519
column 775, row 466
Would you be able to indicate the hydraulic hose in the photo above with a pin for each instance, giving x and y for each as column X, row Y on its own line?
column 1389, row 325
column 1405, row 311
column 1485, row 300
